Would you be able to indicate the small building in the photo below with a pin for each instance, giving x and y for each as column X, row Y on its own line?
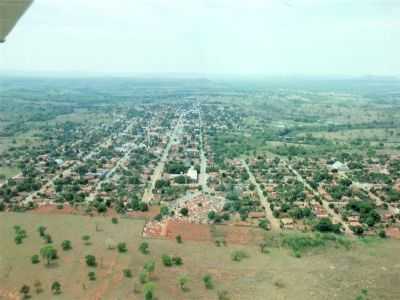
column 338, row 166
column 192, row 173
column 287, row 223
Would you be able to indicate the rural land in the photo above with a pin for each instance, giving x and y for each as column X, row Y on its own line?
column 128, row 188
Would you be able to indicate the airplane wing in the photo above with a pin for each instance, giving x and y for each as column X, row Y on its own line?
column 10, row 12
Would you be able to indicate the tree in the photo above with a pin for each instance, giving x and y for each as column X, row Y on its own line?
column 42, row 230
column 144, row 248
column 150, row 266
column 47, row 238
column 122, row 247
column 127, row 273
column 25, row 291
column 183, row 280
column 178, row 239
column 166, row 260
column 238, row 255
column 326, row 225
column 144, row 277
column 66, row 245
column 149, row 288
column 90, row 260
column 177, row 261
column 184, row 211
column 49, row 253
column 35, row 259
column 208, row 282
column 56, row 288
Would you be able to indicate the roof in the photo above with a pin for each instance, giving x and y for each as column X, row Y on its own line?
column 10, row 12
column 339, row 166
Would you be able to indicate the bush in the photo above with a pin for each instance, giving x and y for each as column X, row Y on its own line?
column 66, row 245
column 35, row 259
column 144, row 277
column 166, row 260
column 149, row 288
column 177, row 261
column 184, row 211
column 90, row 260
column 92, row 276
column 208, row 282
column 238, row 255
column 122, row 247
column 326, row 225
column 178, row 239
column 127, row 273
column 144, row 248
column 183, row 280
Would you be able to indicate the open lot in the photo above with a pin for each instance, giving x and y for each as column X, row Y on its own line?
column 324, row 274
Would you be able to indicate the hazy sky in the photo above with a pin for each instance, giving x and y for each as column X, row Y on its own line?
column 271, row 37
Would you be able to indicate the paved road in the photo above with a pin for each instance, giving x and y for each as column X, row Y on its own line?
column 203, row 159
column 148, row 193
column 336, row 217
column 272, row 220
column 110, row 173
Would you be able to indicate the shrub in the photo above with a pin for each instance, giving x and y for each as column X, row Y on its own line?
column 184, row 211
column 56, row 288
column 166, row 260
column 144, row 248
column 35, row 259
column 127, row 273
column 178, row 239
column 90, row 260
column 144, row 277
column 183, row 280
column 177, row 261
column 208, row 282
column 66, row 245
column 148, row 289
column 92, row 276
column 122, row 247
column 238, row 255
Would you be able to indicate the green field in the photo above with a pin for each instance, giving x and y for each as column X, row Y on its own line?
column 328, row 273
column 8, row 171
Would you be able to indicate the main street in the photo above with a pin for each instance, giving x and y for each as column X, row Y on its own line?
column 272, row 220
column 159, row 169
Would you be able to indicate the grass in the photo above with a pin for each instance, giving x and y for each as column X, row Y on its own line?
column 332, row 270
column 301, row 243
column 8, row 172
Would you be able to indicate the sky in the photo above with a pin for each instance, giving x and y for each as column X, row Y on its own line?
column 236, row 37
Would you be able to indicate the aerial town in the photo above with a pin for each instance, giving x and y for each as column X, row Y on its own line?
column 256, row 167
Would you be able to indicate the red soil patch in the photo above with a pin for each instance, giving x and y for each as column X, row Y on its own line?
column 52, row 209
column 243, row 235
column 151, row 213
column 188, row 231
column 393, row 232
column 4, row 294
